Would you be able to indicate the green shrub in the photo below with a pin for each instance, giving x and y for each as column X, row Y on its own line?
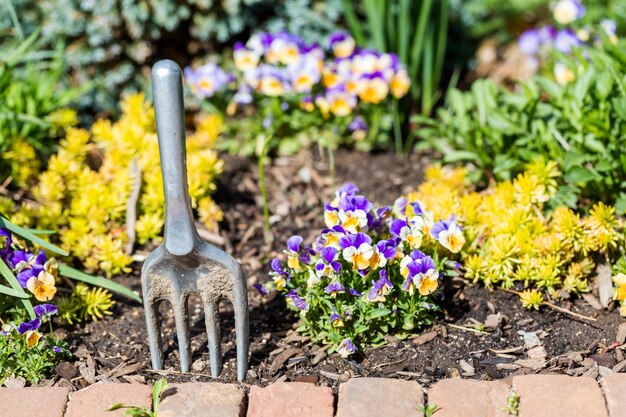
column 581, row 124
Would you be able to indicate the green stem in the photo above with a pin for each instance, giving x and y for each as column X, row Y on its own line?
column 397, row 134
column 331, row 166
column 267, row 233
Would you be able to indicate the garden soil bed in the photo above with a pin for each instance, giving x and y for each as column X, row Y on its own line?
column 460, row 344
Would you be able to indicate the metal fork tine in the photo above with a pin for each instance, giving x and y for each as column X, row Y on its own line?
column 242, row 327
column 153, row 324
column 212, row 318
column 181, row 317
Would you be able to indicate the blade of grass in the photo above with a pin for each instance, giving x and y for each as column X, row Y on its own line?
column 442, row 39
column 354, row 24
column 42, row 232
column 417, row 47
column 403, row 30
column 427, row 74
column 77, row 275
column 12, row 293
column 14, row 19
column 15, row 285
column 375, row 22
column 26, row 234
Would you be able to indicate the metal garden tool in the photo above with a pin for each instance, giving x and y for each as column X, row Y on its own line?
column 185, row 264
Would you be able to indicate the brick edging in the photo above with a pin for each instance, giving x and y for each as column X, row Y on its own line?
column 539, row 396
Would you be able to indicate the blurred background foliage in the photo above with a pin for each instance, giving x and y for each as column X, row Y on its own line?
column 113, row 43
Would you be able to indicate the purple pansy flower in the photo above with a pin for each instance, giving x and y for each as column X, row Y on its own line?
column 442, row 225
column 417, row 208
column 399, row 206
column 334, row 288
column 355, row 202
column 357, row 125
column 396, row 228
column 327, row 264
column 336, row 37
column 261, row 288
column 31, row 265
column 547, row 33
column 387, row 248
column 277, row 268
column 336, row 320
column 293, row 243
column 297, row 301
column 354, row 292
column 530, row 41
column 354, row 240
column 8, row 239
column 380, row 287
column 31, row 325
column 565, row 40
column 45, row 310
column 346, row 348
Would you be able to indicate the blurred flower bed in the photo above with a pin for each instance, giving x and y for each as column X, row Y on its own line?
column 284, row 88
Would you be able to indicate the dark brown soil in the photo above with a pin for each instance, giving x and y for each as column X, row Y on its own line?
column 116, row 348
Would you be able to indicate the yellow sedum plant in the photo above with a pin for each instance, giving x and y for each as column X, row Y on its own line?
column 86, row 188
column 513, row 238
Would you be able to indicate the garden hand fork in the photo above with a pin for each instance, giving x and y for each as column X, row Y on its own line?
column 184, row 264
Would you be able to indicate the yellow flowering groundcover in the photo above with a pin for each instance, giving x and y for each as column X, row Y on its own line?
column 513, row 237
column 86, row 187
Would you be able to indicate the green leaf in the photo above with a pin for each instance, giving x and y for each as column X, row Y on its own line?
column 157, row 390
column 583, row 84
column 28, row 235
column 456, row 156
column 15, row 285
column 604, row 85
column 381, row 312
column 620, row 204
column 13, row 293
column 619, row 104
column 77, row 275
column 580, row 174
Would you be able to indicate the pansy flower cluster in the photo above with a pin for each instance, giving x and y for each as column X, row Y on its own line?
column 32, row 270
column 516, row 242
column 371, row 272
column 570, row 31
column 340, row 80
column 29, row 332
column 38, row 275
column 26, row 351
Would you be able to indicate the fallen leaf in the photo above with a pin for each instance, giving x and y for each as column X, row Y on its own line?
column 281, row 358
column 425, row 337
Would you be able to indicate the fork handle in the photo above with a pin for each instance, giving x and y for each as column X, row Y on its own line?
column 167, row 89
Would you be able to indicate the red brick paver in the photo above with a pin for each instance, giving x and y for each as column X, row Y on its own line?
column 94, row 400
column 615, row 392
column 559, row 396
column 290, row 399
column 375, row 397
column 204, row 400
column 464, row 397
column 33, row 402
